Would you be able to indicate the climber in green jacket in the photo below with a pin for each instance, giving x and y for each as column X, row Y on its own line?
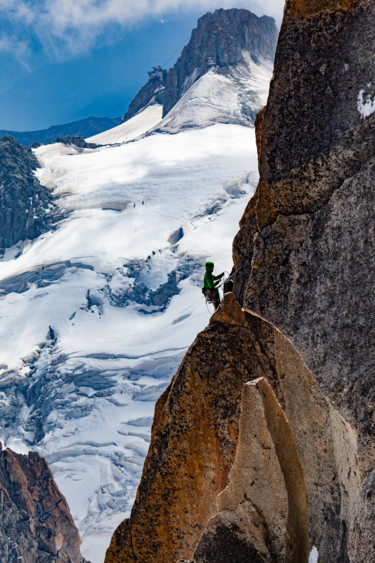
column 210, row 285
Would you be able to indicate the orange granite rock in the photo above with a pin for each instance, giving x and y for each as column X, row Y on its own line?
column 195, row 436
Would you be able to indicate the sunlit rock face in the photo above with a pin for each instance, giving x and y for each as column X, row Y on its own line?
column 36, row 521
column 219, row 442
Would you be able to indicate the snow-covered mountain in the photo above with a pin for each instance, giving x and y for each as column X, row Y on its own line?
column 228, row 60
column 97, row 314
column 231, row 96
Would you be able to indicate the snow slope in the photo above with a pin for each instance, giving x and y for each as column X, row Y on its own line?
column 132, row 129
column 97, row 314
column 232, row 95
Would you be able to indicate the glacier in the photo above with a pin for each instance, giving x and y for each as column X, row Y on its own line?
column 97, row 313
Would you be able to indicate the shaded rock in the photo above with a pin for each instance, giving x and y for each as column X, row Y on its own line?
column 176, row 236
column 306, row 239
column 26, row 207
column 237, row 536
column 36, row 521
column 75, row 140
column 153, row 92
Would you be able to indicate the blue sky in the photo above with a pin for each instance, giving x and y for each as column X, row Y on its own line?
column 62, row 60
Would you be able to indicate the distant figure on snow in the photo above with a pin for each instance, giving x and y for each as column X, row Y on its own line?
column 210, row 285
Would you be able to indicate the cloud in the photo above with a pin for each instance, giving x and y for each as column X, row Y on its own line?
column 94, row 14
column 19, row 49
column 74, row 26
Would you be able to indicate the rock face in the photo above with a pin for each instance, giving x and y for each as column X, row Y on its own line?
column 36, row 522
column 313, row 209
column 196, row 432
column 266, row 466
column 306, row 240
column 275, row 399
column 221, row 41
column 26, row 207
column 153, row 92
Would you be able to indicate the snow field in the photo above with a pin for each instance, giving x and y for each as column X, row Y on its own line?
column 94, row 385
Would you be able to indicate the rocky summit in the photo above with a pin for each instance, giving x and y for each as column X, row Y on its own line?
column 36, row 521
column 224, row 42
column 263, row 445
column 26, row 207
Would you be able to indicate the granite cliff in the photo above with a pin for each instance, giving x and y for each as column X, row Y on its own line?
column 263, row 444
column 36, row 521
column 223, row 41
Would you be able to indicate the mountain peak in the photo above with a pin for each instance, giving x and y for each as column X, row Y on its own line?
column 222, row 40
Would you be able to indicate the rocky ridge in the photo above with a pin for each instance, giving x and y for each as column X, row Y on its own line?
column 220, row 42
column 36, row 522
column 153, row 92
column 26, row 207
column 276, row 395
column 82, row 128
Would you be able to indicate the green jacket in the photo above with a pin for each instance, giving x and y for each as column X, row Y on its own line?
column 211, row 281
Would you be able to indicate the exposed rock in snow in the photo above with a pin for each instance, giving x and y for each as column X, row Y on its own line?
column 26, row 207
column 232, row 95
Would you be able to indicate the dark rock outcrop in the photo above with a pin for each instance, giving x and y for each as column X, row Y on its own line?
column 219, row 41
column 153, row 92
column 26, row 207
column 77, row 141
column 306, row 241
column 36, row 524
